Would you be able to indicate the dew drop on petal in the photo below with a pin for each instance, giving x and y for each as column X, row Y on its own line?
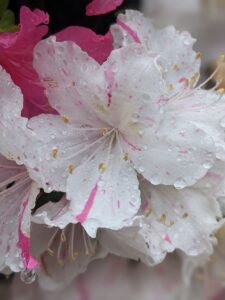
column 28, row 276
column 179, row 183
column 208, row 164
column 101, row 183
column 155, row 180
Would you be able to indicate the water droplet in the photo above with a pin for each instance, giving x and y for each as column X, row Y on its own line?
column 28, row 276
column 179, row 183
column 208, row 164
column 101, row 183
column 155, row 180
column 141, row 169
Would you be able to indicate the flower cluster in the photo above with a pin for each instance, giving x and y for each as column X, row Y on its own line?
column 126, row 146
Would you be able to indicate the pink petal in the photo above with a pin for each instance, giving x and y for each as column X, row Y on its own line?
column 100, row 7
column 16, row 56
column 98, row 47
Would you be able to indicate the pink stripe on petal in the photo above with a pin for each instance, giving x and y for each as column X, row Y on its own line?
column 24, row 242
column 82, row 217
column 130, row 31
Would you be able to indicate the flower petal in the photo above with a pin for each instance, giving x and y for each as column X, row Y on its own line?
column 184, row 220
column 64, row 66
column 17, row 55
column 179, row 63
column 109, row 196
column 100, row 7
column 17, row 198
column 11, row 103
column 97, row 46
column 57, row 149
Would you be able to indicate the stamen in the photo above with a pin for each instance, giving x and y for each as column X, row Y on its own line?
column 49, row 250
column 73, row 254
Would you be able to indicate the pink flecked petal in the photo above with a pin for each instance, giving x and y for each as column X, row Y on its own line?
column 100, row 7
column 16, row 191
column 97, row 46
column 16, row 56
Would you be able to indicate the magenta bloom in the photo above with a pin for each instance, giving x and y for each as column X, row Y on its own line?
column 16, row 57
column 100, row 7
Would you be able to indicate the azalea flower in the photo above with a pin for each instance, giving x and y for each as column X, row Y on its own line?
column 16, row 56
column 135, row 114
column 17, row 191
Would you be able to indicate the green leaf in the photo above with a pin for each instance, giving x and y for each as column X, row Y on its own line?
column 7, row 22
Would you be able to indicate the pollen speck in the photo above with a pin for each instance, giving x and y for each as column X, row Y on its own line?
column 54, row 152
column 185, row 215
column 162, row 218
column 170, row 87
column 66, row 119
column 71, row 168
column 102, row 167
column 105, row 131
column 125, row 157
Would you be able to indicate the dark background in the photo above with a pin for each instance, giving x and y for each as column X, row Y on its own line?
column 64, row 13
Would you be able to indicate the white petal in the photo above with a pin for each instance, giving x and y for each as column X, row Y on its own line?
column 74, row 81
column 107, row 197
column 57, row 149
column 179, row 62
column 13, row 138
column 17, row 198
column 183, row 220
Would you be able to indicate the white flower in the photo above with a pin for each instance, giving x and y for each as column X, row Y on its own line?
column 120, row 119
column 17, row 191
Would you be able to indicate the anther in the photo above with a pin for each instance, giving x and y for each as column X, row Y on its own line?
column 170, row 87
column 148, row 212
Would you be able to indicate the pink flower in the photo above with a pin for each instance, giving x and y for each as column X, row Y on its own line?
column 16, row 56
column 100, row 7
